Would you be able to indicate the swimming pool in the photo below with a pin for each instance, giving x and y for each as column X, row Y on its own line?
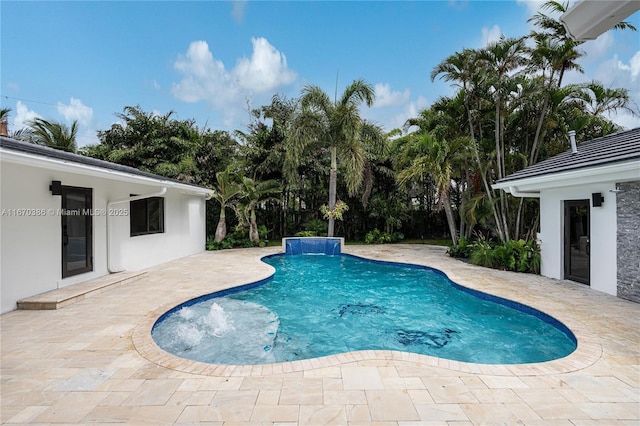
column 317, row 305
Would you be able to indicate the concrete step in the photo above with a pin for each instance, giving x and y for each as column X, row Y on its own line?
column 59, row 298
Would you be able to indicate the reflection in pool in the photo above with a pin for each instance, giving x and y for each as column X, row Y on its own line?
column 317, row 305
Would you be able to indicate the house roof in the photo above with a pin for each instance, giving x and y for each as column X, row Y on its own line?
column 37, row 151
column 619, row 147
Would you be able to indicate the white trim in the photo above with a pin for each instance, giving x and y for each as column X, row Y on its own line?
column 588, row 19
column 513, row 190
column 12, row 156
column 616, row 172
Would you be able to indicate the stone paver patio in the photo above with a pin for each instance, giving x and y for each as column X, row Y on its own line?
column 94, row 361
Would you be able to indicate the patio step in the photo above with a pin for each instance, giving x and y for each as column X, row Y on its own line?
column 59, row 298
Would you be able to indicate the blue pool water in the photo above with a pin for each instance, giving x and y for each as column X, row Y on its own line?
column 318, row 305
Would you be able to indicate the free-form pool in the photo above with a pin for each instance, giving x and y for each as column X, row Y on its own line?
column 317, row 305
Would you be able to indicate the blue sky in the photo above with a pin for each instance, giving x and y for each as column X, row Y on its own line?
column 210, row 60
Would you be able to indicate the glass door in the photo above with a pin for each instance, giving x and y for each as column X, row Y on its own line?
column 77, row 228
column 576, row 241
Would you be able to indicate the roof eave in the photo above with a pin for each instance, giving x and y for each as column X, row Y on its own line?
column 17, row 157
column 613, row 172
column 587, row 20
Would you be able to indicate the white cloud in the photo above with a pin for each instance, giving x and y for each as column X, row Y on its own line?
column 626, row 120
column 385, row 97
column 532, row 5
column 490, row 35
column 76, row 110
column 207, row 79
column 596, row 49
column 413, row 109
column 237, row 10
column 616, row 73
column 266, row 69
column 394, row 117
column 633, row 67
column 458, row 4
column 23, row 116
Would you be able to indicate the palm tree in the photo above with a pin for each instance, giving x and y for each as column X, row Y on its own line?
column 225, row 190
column 323, row 124
column 502, row 59
column 438, row 163
column 53, row 134
column 462, row 67
column 556, row 53
column 376, row 147
column 597, row 100
column 254, row 194
column 553, row 57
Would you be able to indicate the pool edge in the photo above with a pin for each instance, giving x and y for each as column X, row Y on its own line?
column 587, row 352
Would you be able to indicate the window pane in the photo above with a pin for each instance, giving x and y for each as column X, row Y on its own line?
column 154, row 214
column 138, row 217
column 147, row 216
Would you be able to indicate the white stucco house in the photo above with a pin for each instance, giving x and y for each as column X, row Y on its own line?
column 589, row 212
column 68, row 218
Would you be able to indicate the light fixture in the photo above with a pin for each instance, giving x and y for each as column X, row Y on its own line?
column 55, row 187
column 597, row 198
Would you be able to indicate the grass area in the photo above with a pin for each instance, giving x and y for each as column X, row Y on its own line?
column 434, row 242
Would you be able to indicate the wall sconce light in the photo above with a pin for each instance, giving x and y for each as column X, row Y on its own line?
column 55, row 187
column 597, row 199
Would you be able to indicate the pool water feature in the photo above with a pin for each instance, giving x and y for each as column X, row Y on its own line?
column 312, row 245
column 318, row 305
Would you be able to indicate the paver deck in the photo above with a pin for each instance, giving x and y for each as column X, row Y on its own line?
column 59, row 298
column 94, row 362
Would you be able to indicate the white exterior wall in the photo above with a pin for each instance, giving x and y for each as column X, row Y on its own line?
column 30, row 246
column 603, row 231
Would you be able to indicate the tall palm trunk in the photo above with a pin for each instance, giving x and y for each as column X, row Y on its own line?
column 485, row 184
column 500, row 164
column 221, row 229
column 451, row 221
column 333, row 179
column 253, row 227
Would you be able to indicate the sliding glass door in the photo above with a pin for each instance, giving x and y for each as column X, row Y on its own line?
column 77, row 228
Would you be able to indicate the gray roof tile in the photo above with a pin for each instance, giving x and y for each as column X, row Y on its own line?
column 614, row 148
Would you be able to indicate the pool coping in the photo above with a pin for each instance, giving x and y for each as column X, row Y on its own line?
column 587, row 352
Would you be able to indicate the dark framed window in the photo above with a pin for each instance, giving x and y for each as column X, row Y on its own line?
column 147, row 216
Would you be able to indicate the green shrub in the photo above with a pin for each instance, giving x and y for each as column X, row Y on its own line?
column 306, row 234
column 377, row 237
column 482, row 254
column 462, row 249
column 504, row 257
column 262, row 232
column 316, row 225
column 396, row 237
column 233, row 241
column 520, row 256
